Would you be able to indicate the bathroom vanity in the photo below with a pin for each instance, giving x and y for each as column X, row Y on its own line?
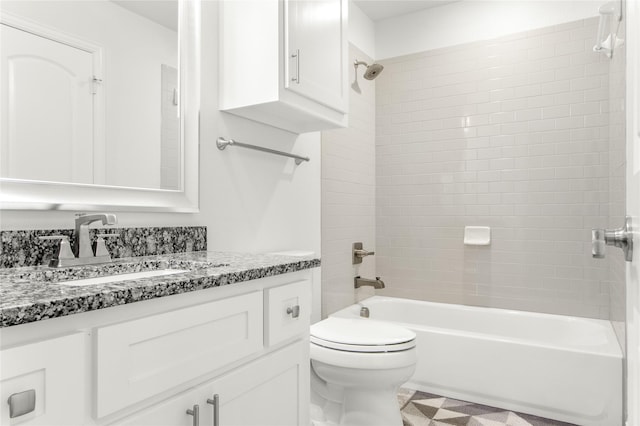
column 222, row 341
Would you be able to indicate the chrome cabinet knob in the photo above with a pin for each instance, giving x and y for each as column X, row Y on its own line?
column 620, row 237
column 21, row 403
column 294, row 311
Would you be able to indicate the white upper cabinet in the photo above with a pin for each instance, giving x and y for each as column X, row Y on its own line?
column 284, row 62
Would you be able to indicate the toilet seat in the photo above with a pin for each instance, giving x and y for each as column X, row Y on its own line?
column 361, row 335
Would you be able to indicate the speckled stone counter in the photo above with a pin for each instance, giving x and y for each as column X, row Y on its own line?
column 34, row 293
column 25, row 248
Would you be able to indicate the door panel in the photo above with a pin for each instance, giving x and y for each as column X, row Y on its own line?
column 47, row 107
column 315, row 50
column 633, row 210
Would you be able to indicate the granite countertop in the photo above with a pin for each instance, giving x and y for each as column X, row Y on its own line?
column 32, row 294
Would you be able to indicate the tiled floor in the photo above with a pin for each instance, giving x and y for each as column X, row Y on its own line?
column 425, row 409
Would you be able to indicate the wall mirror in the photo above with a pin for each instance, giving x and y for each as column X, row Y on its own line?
column 99, row 104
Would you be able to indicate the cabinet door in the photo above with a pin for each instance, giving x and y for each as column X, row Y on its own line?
column 316, row 50
column 173, row 412
column 55, row 369
column 272, row 391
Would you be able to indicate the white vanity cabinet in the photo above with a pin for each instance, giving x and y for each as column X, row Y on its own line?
column 284, row 62
column 147, row 363
column 55, row 370
column 271, row 391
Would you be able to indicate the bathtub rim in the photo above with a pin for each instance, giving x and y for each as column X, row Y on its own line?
column 610, row 349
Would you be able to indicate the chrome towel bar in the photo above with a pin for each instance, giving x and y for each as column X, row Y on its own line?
column 222, row 143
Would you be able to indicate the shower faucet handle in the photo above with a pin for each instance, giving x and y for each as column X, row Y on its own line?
column 621, row 237
column 358, row 253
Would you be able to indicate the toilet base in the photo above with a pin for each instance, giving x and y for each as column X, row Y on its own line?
column 360, row 407
column 370, row 400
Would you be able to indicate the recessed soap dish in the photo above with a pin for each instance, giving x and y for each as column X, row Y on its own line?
column 477, row 235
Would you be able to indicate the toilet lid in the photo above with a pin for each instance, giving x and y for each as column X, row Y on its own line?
column 361, row 335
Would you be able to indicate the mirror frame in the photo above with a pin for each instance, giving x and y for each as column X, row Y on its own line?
column 22, row 194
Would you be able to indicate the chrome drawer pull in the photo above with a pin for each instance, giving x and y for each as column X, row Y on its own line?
column 296, row 56
column 216, row 408
column 21, row 403
column 195, row 412
column 294, row 311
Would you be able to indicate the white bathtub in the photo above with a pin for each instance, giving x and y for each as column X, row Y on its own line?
column 554, row 366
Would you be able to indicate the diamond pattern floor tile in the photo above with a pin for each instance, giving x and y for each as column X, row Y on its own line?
column 425, row 409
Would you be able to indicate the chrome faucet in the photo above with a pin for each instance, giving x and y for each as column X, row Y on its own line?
column 359, row 282
column 82, row 247
column 82, row 253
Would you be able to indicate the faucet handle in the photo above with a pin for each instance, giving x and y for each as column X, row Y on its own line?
column 100, row 246
column 63, row 250
column 357, row 253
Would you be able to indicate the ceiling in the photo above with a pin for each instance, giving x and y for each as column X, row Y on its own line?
column 383, row 9
column 163, row 12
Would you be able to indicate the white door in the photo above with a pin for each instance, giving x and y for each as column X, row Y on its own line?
column 315, row 42
column 47, row 109
column 633, row 210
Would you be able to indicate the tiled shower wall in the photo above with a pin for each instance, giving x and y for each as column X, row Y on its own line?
column 509, row 133
column 349, row 195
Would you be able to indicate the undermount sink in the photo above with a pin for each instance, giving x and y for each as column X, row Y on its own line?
column 122, row 277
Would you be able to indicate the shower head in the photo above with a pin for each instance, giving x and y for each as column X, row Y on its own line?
column 372, row 70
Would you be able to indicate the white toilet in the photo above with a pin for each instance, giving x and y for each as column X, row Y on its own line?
column 357, row 366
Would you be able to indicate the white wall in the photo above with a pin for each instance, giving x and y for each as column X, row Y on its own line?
column 348, row 180
column 349, row 195
column 361, row 31
column 472, row 20
column 249, row 201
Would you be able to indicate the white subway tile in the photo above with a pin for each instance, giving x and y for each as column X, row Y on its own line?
column 529, row 114
column 501, row 117
column 555, row 87
column 555, row 112
column 512, row 133
column 585, row 83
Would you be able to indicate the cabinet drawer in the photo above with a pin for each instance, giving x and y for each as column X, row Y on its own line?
column 281, row 319
column 142, row 358
column 55, row 370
